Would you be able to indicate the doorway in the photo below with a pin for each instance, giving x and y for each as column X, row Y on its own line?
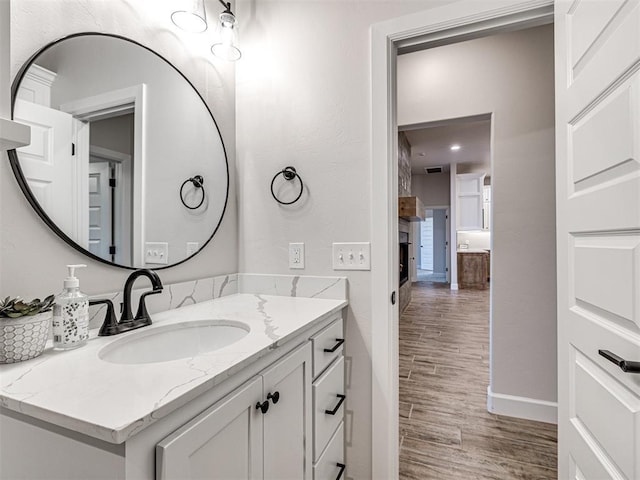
column 462, row 20
column 433, row 258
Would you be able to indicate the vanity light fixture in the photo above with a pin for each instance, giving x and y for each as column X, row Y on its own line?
column 192, row 18
column 455, row 147
column 226, row 35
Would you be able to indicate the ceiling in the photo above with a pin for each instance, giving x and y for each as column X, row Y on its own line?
column 431, row 146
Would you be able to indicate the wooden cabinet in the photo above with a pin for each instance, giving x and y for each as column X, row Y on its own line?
column 469, row 194
column 473, row 270
column 256, row 432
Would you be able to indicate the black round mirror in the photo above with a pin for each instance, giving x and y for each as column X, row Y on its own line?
column 117, row 136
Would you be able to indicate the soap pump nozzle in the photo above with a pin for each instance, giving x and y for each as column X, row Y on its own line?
column 71, row 281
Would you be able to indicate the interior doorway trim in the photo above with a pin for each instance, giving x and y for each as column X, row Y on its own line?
column 459, row 21
column 111, row 104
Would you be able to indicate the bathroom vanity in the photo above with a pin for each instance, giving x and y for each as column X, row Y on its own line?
column 267, row 405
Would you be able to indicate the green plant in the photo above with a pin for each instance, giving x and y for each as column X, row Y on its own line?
column 16, row 307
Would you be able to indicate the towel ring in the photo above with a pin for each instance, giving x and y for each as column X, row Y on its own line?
column 289, row 173
column 198, row 182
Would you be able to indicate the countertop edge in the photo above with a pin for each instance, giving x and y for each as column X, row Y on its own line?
column 126, row 431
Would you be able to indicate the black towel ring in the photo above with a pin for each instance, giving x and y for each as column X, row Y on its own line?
column 198, row 182
column 289, row 173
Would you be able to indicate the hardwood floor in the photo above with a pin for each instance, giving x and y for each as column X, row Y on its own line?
column 445, row 429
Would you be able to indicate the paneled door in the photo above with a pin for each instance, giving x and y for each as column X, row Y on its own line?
column 598, row 235
column 48, row 164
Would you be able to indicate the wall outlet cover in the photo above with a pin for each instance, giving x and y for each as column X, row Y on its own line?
column 296, row 255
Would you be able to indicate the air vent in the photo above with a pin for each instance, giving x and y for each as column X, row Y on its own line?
column 430, row 170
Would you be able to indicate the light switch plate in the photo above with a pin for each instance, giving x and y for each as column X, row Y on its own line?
column 352, row 256
column 296, row 255
column 156, row 253
column 192, row 247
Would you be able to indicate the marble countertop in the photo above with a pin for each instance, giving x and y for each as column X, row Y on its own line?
column 474, row 250
column 79, row 391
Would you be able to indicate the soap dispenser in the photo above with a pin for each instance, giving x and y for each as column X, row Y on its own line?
column 71, row 314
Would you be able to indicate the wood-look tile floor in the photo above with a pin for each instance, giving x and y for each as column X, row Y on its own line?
column 445, row 429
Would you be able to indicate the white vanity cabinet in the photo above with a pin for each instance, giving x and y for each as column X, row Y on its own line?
column 256, row 432
column 328, row 403
column 220, row 433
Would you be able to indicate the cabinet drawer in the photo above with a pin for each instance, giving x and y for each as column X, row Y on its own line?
column 330, row 466
column 328, row 395
column 327, row 339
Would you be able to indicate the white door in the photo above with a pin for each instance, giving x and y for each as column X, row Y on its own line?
column 287, row 423
column 48, row 164
column 598, row 232
column 223, row 442
column 100, row 214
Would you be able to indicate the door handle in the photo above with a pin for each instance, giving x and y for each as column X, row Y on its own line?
column 625, row 365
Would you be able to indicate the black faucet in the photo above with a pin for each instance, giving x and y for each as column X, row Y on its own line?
column 127, row 320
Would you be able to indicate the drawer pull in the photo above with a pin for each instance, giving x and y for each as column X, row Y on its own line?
column 335, row 409
column 339, row 341
column 274, row 397
column 263, row 407
column 342, row 466
column 625, row 365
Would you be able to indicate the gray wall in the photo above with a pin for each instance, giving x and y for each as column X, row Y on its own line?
column 510, row 76
column 304, row 98
column 433, row 190
column 32, row 258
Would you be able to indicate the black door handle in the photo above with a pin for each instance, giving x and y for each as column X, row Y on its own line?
column 274, row 397
column 625, row 365
column 335, row 409
column 339, row 341
column 263, row 407
column 342, row 466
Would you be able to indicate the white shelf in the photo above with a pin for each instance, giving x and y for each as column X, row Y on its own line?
column 13, row 134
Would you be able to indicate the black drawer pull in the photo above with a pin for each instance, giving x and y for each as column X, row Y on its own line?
column 335, row 409
column 274, row 397
column 263, row 407
column 339, row 341
column 625, row 365
column 342, row 466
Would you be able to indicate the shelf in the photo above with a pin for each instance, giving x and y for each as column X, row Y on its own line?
column 411, row 209
column 13, row 134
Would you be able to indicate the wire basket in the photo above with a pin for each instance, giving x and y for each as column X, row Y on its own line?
column 23, row 338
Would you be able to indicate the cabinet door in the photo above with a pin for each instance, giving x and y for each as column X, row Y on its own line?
column 287, row 424
column 470, row 196
column 224, row 442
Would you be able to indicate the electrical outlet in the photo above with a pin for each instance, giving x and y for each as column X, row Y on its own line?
column 192, row 247
column 352, row 256
column 156, row 253
column 296, row 255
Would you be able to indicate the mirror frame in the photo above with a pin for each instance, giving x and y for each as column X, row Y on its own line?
column 22, row 182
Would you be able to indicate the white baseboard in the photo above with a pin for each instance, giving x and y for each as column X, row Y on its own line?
column 454, row 286
column 522, row 407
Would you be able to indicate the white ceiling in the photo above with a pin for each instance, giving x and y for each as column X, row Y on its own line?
column 431, row 146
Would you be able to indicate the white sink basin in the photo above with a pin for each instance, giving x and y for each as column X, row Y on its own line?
column 173, row 342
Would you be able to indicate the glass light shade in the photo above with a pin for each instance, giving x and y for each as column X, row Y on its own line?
column 192, row 18
column 227, row 38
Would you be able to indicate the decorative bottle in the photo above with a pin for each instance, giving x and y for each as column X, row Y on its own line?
column 71, row 314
